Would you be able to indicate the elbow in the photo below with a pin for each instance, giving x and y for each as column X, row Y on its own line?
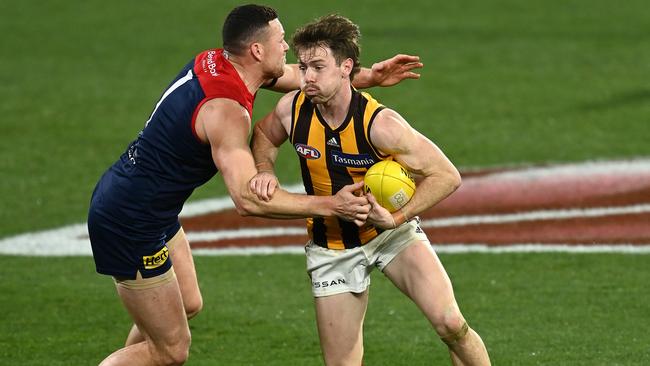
column 243, row 211
column 454, row 180
column 246, row 207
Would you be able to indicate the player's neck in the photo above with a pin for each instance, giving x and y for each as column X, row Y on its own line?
column 336, row 109
column 251, row 76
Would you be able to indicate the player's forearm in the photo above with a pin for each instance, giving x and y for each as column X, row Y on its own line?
column 264, row 151
column 430, row 191
column 265, row 160
column 291, row 79
column 363, row 79
column 286, row 205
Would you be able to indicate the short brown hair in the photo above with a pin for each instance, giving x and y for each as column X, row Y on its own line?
column 243, row 24
column 333, row 31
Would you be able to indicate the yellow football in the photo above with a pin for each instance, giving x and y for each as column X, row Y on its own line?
column 390, row 183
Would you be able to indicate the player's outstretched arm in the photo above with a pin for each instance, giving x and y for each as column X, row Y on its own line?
column 388, row 72
column 392, row 135
column 384, row 73
column 233, row 156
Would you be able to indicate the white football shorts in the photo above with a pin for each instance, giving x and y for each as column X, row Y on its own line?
column 337, row 271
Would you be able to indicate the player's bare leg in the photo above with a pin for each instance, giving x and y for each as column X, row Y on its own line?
column 418, row 273
column 159, row 312
column 340, row 327
column 181, row 256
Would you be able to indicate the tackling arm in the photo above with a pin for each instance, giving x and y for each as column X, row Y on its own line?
column 385, row 73
column 392, row 135
column 232, row 155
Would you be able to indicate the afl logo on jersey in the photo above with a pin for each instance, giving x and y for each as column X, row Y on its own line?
column 307, row 151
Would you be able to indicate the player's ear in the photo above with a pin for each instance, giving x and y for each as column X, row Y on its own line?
column 257, row 51
column 346, row 67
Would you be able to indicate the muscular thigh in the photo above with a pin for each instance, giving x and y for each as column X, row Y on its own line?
column 418, row 273
column 155, row 305
column 340, row 322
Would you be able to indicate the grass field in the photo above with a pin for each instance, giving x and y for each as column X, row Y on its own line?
column 580, row 310
column 505, row 82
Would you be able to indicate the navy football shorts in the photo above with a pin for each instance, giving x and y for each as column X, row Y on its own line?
column 121, row 253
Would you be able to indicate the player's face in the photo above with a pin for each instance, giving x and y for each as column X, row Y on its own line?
column 321, row 76
column 275, row 49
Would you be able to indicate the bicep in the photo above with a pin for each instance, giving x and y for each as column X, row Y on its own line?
column 392, row 135
column 237, row 168
column 227, row 126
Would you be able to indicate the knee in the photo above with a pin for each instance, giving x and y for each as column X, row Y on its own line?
column 451, row 326
column 193, row 307
column 176, row 353
column 350, row 354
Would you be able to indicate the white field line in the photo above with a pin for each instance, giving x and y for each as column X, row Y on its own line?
column 198, row 236
column 73, row 239
column 68, row 240
column 453, row 249
column 536, row 216
column 582, row 169
column 439, row 222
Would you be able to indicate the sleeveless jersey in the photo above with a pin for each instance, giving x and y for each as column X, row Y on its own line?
column 331, row 159
column 147, row 187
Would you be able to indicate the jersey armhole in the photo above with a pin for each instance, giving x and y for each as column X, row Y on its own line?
column 293, row 116
column 201, row 103
column 372, row 145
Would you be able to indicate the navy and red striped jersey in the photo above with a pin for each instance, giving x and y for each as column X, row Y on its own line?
column 147, row 187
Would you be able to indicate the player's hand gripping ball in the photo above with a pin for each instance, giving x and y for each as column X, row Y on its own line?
column 390, row 183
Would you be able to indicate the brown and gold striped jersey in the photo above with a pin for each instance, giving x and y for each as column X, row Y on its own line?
column 332, row 158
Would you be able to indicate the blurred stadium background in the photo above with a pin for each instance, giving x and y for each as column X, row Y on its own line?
column 505, row 83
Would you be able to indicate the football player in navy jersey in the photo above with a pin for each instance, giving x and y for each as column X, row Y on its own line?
column 200, row 125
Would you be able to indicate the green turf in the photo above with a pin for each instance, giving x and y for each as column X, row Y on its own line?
column 530, row 309
column 505, row 82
